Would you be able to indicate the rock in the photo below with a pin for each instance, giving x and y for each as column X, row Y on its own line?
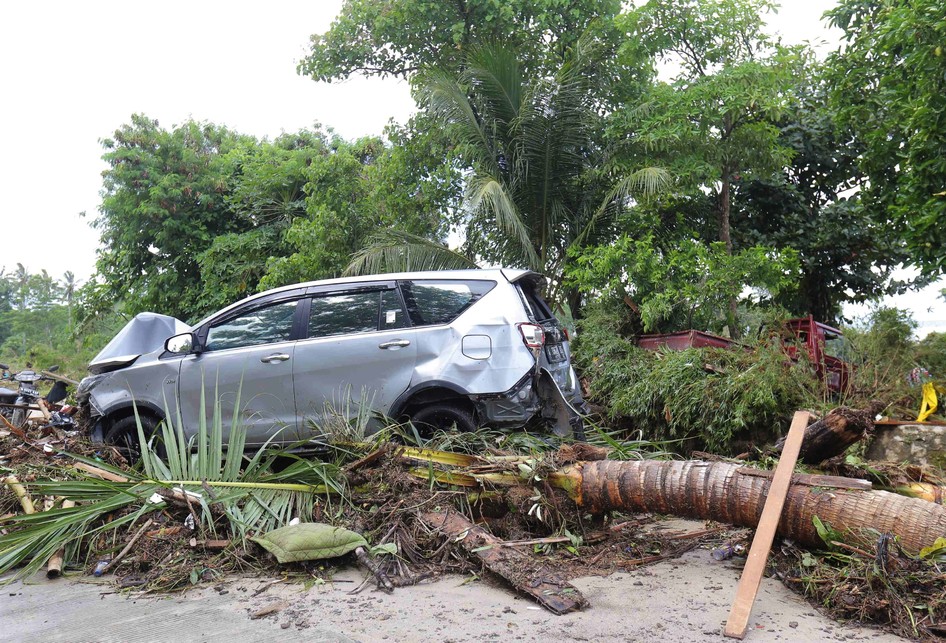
column 914, row 443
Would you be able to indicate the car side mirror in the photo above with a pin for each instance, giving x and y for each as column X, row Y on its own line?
column 52, row 369
column 181, row 344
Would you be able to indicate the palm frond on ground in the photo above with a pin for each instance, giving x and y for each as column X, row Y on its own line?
column 245, row 490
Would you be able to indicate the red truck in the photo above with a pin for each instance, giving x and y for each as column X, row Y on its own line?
column 822, row 343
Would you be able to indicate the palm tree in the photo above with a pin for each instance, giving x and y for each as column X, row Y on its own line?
column 69, row 292
column 529, row 143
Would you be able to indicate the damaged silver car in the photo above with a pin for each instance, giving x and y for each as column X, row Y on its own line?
column 466, row 348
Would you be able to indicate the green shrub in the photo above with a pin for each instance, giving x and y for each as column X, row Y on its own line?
column 714, row 399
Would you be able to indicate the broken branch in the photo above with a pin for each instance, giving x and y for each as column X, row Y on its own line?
column 552, row 592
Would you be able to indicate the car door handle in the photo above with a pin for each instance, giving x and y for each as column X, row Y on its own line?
column 395, row 343
column 275, row 357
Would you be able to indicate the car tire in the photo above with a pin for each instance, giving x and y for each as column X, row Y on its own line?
column 442, row 416
column 123, row 435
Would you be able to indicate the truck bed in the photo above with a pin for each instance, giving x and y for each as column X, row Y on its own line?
column 684, row 339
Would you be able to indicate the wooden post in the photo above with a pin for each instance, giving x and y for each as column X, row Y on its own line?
column 765, row 532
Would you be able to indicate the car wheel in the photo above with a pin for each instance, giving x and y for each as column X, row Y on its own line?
column 123, row 435
column 440, row 417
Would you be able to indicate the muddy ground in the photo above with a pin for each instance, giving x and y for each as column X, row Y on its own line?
column 684, row 599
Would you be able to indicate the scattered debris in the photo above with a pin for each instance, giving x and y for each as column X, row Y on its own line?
column 273, row 608
column 534, row 518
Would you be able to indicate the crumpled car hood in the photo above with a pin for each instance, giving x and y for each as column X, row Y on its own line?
column 145, row 333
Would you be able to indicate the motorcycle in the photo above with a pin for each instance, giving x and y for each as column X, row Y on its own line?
column 16, row 405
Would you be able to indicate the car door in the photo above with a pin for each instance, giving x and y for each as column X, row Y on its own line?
column 357, row 355
column 245, row 363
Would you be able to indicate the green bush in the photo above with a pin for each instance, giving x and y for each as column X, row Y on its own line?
column 714, row 399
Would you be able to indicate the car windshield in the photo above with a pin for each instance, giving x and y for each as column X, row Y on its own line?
column 837, row 346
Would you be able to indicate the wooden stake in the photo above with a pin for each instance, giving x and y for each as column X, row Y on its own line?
column 765, row 532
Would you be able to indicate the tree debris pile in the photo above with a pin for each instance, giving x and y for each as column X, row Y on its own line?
column 869, row 578
column 169, row 523
column 536, row 518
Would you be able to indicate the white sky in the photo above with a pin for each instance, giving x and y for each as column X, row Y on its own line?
column 73, row 72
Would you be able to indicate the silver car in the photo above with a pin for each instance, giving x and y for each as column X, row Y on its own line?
column 466, row 348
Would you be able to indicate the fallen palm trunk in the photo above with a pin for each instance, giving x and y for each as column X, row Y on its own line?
column 833, row 434
column 553, row 593
column 720, row 491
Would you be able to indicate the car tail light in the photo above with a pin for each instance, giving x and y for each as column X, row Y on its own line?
column 533, row 335
column 565, row 333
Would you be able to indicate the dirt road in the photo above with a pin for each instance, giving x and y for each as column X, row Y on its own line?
column 682, row 600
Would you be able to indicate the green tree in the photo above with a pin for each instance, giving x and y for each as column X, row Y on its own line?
column 889, row 88
column 266, row 194
column 354, row 190
column 530, row 144
column 715, row 121
column 846, row 254
column 69, row 292
column 683, row 284
column 164, row 200
column 385, row 38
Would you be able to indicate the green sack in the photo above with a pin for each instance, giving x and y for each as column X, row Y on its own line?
column 309, row 541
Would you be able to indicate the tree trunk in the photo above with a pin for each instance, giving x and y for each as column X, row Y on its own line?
column 725, row 199
column 719, row 491
column 833, row 434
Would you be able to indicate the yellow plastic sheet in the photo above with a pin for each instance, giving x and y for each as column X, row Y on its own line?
column 929, row 403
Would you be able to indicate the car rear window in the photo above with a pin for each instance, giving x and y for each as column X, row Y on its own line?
column 430, row 303
column 539, row 310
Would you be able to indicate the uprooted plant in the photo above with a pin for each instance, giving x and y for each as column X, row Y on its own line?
column 868, row 577
column 225, row 492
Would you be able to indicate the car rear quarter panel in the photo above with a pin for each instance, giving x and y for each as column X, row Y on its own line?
column 440, row 351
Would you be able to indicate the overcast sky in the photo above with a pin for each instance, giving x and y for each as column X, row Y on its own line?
column 73, row 72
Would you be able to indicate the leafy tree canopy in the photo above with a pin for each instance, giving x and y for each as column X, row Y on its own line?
column 846, row 254
column 686, row 285
column 402, row 37
column 197, row 216
column 715, row 121
column 164, row 200
column 889, row 88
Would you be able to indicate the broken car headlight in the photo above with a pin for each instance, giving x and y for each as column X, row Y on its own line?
column 86, row 385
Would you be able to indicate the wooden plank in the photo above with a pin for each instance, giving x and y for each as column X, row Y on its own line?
column 889, row 422
column 518, row 568
column 765, row 532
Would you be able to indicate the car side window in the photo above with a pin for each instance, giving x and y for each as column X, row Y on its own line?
column 430, row 303
column 355, row 312
column 393, row 315
column 265, row 325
